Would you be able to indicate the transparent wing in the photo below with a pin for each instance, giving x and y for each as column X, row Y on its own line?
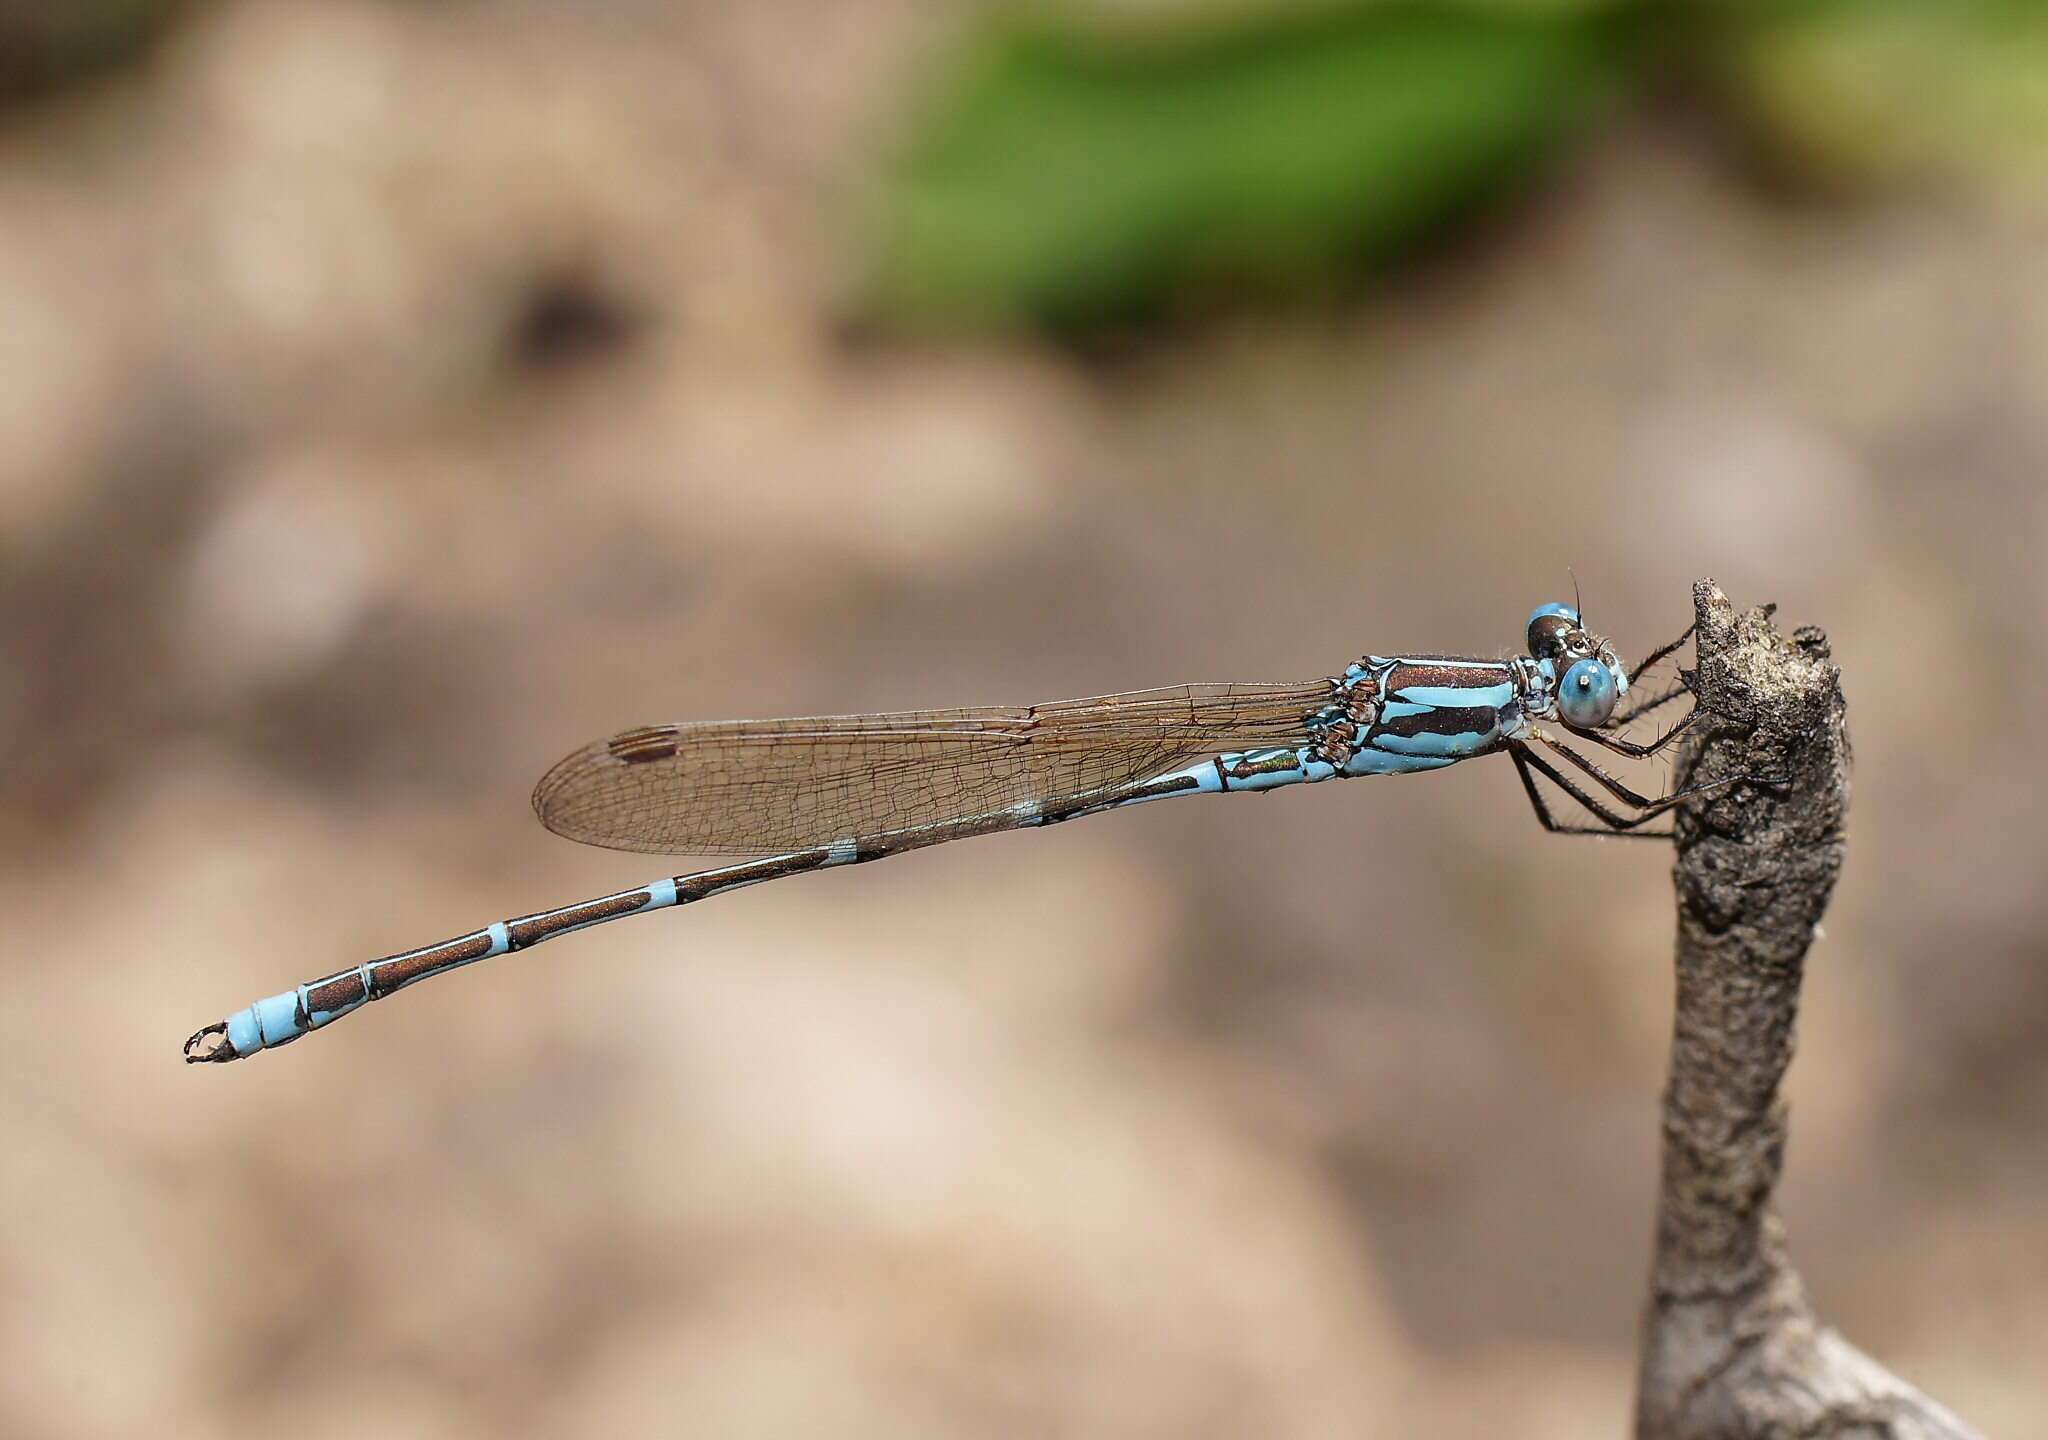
column 754, row 787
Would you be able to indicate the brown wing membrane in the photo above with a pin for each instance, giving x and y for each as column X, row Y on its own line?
column 755, row 787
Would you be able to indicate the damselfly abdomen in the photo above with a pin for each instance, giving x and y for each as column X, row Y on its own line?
column 808, row 794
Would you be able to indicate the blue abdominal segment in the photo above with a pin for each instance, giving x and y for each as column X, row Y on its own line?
column 1235, row 771
column 1372, row 761
column 268, row 1022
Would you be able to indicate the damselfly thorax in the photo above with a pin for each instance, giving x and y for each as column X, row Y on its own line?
column 808, row 794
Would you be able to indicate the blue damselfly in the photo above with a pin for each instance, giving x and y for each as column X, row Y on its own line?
column 809, row 794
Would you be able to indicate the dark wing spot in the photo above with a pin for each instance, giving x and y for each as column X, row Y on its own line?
column 649, row 742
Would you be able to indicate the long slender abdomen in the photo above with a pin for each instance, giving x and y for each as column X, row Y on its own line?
column 285, row 1017
column 282, row 1018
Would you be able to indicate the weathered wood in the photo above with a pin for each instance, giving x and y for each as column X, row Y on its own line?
column 1731, row 1345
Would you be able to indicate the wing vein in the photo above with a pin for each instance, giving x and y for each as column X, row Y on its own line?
column 753, row 787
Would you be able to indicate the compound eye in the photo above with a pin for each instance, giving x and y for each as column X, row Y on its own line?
column 1587, row 696
column 1548, row 625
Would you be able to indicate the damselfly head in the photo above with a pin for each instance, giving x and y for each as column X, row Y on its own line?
column 1553, row 626
column 1590, row 676
column 1587, row 692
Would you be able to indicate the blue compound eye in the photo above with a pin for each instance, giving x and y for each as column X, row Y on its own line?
column 1587, row 696
column 1548, row 625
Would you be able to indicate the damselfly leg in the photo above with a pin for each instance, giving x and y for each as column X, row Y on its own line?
column 1625, row 718
column 1611, row 821
column 1686, row 684
column 1629, row 747
column 1616, row 825
column 1610, row 783
column 1643, row 667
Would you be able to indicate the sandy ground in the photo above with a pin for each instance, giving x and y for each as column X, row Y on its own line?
column 398, row 396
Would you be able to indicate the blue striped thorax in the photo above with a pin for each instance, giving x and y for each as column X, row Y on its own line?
column 1398, row 714
column 1434, row 711
column 1402, row 713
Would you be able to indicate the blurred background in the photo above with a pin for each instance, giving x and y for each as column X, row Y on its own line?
column 395, row 394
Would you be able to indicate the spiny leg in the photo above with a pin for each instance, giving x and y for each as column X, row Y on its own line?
column 1629, row 747
column 1578, row 792
column 1650, row 811
column 1624, row 718
column 1606, row 816
column 1660, row 652
column 1643, row 667
column 1550, row 822
column 1620, row 791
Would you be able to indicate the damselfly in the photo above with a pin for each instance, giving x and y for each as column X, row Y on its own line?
column 810, row 794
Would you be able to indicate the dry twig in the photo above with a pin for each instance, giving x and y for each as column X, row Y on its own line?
column 1731, row 1345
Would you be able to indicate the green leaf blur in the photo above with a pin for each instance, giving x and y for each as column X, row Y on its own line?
column 46, row 46
column 1067, row 177
column 1883, row 92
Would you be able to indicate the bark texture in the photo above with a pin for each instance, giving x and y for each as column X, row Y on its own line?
column 1731, row 1345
